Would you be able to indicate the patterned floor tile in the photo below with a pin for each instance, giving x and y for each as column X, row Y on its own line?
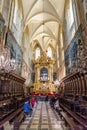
column 35, row 122
column 44, row 129
column 23, row 127
column 44, row 126
column 44, row 119
column 34, row 127
column 56, row 127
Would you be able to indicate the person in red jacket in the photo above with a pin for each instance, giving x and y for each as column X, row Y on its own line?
column 32, row 101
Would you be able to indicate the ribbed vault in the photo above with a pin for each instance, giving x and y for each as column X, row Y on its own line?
column 43, row 18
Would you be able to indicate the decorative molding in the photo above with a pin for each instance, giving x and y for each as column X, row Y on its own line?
column 44, row 60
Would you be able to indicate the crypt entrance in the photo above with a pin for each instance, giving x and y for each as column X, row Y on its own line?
column 44, row 74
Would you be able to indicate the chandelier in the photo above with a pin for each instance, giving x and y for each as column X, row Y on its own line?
column 56, row 83
column 6, row 63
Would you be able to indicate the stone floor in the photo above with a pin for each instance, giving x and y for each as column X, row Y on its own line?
column 43, row 118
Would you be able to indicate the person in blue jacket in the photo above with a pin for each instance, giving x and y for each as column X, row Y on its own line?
column 27, row 108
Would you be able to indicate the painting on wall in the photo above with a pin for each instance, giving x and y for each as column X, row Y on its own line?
column 15, row 50
column 71, row 52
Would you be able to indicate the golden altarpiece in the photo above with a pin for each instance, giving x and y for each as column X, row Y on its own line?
column 44, row 75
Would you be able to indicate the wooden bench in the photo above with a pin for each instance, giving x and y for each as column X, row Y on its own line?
column 1, row 128
column 5, row 114
column 77, row 118
column 69, row 121
column 83, row 116
column 18, row 121
column 11, row 117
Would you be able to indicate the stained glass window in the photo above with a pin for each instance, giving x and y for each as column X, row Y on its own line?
column 49, row 52
column 70, row 14
column 15, row 12
column 37, row 53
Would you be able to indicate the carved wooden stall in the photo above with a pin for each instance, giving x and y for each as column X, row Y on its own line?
column 11, row 85
column 11, row 95
column 75, row 84
column 75, row 93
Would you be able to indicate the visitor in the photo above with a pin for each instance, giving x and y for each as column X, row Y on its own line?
column 35, row 104
column 46, row 99
column 56, row 104
column 32, row 102
column 52, row 101
column 27, row 108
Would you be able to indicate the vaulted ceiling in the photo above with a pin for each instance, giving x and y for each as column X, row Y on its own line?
column 42, row 18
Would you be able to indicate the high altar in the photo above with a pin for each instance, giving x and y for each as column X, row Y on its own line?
column 44, row 75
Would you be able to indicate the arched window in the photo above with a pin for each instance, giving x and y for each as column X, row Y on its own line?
column 84, row 2
column 62, row 49
column 71, row 21
column 15, row 12
column 49, row 51
column 70, row 14
column 37, row 52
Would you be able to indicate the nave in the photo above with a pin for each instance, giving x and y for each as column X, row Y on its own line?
column 43, row 51
column 43, row 118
